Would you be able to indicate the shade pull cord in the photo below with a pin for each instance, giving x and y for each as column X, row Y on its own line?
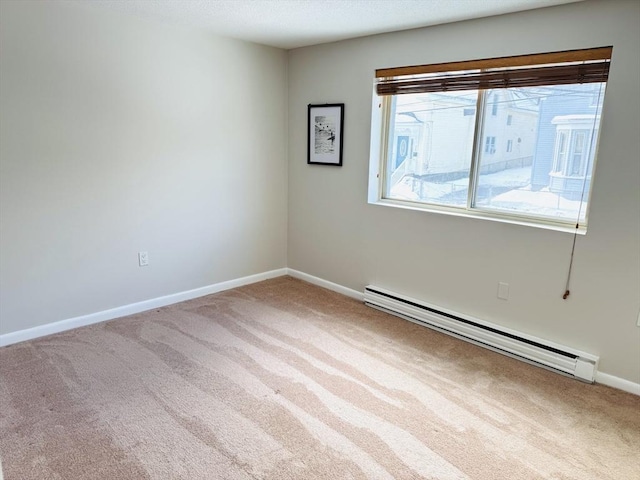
column 567, row 292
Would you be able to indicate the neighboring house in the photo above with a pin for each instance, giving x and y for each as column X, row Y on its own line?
column 434, row 133
column 433, row 140
column 564, row 156
column 509, row 130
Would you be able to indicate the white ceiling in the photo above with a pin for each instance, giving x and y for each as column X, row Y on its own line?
column 298, row 23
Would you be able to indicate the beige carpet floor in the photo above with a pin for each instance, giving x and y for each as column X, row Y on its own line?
column 285, row 380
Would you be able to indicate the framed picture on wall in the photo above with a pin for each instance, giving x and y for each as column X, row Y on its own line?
column 325, row 134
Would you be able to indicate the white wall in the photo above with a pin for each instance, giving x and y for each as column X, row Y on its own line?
column 119, row 135
column 457, row 262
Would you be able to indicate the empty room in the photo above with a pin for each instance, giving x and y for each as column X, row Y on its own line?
column 319, row 239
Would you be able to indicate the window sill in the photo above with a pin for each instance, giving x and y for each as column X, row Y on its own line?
column 482, row 215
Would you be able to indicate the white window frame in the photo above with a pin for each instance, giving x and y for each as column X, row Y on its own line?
column 380, row 133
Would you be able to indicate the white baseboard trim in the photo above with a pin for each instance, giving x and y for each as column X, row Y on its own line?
column 133, row 308
column 326, row 284
column 617, row 382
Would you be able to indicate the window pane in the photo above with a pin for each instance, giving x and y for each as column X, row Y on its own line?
column 543, row 156
column 578, row 152
column 561, row 151
column 430, row 147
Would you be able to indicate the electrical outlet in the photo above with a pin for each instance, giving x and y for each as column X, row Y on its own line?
column 143, row 259
column 638, row 318
column 503, row 291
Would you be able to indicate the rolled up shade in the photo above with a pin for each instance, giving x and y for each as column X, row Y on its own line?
column 559, row 68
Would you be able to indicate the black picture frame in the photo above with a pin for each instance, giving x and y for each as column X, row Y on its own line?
column 325, row 134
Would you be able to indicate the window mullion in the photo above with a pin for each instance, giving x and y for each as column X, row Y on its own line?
column 477, row 149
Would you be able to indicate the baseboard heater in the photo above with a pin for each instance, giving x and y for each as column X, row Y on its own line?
column 536, row 351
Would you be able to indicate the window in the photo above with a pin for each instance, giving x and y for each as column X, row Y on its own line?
column 578, row 153
column 452, row 115
column 561, row 152
column 490, row 145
